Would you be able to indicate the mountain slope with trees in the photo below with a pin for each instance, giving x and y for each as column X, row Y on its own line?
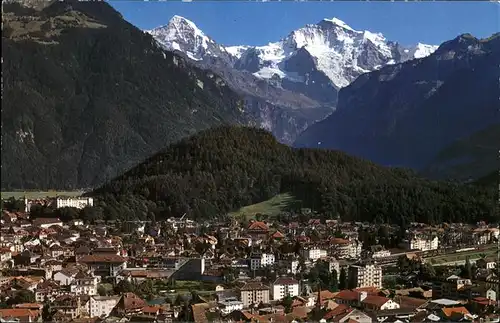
column 225, row 168
column 88, row 95
column 468, row 158
column 406, row 114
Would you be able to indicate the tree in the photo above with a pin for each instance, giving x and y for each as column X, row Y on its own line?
column 14, row 205
column 343, row 279
column 101, row 290
column 468, row 269
column 22, row 296
column 287, row 303
column 67, row 213
column 47, row 312
column 124, row 286
column 91, row 213
column 334, row 282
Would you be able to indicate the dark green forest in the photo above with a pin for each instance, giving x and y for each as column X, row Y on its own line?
column 88, row 95
column 225, row 168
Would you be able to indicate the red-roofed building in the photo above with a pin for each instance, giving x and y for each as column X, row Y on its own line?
column 21, row 314
column 277, row 236
column 104, row 265
column 258, row 230
column 377, row 303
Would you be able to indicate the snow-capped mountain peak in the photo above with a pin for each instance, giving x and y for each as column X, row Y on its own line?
column 340, row 23
column 424, row 50
column 183, row 35
column 328, row 54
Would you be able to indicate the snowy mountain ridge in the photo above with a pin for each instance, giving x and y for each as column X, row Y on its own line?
column 331, row 47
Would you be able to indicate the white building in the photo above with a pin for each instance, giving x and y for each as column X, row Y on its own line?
column 377, row 303
column 101, row 306
column 346, row 248
column 76, row 202
column 312, row 254
column 261, row 260
column 381, row 253
column 65, row 276
column 369, row 275
column 229, row 305
column 84, row 284
column 285, row 286
column 424, row 243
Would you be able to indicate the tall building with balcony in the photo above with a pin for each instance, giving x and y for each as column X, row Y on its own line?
column 369, row 275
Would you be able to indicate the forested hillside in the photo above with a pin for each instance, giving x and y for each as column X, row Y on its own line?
column 88, row 95
column 225, row 168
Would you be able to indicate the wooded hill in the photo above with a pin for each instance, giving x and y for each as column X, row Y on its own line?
column 87, row 96
column 225, row 168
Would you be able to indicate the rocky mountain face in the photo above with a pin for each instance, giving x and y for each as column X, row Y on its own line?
column 405, row 114
column 88, row 95
column 316, row 60
column 297, row 77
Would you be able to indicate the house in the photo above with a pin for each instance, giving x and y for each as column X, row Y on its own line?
column 19, row 315
column 312, row 254
column 345, row 248
column 258, row 230
column 228, row 305
column 69, row 305
column 422, row 242
column 379, row 251
column 101, row 306
column 104, row 265
column 129, row 303
column 343, row 314
column 254, row 293
column 84, row 284
column 285, row 286
column 49, row 289
column 46, row 222
column 5, row 254
column 453, row 287
column 66, row 276
column 76, row 202
column 376, row 303
column 259, row 260
column 455, row 314
column 56, row 251
column 368, row 275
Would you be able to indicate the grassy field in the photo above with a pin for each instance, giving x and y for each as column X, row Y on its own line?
column 39, row 194
column 271, row 207
column 473, row 255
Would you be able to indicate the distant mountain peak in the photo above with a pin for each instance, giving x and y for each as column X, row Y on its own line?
column 181, row 34
column 340, row 23
column 179, row 20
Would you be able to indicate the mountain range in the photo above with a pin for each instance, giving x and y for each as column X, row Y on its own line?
column 292, row 83
column 409, row 114
column 88, row 95
column 315, row 60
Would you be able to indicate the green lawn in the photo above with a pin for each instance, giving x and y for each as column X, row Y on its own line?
column 271, row 207
column 39, row 194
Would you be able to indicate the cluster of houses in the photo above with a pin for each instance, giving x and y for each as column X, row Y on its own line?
column 257, row 269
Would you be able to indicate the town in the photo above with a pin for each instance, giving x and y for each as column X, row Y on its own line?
column 304, row 269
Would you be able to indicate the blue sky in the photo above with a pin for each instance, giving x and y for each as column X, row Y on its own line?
column 257, row 23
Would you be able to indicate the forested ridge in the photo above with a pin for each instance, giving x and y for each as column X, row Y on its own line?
column 224, row 168
column 88, row 95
